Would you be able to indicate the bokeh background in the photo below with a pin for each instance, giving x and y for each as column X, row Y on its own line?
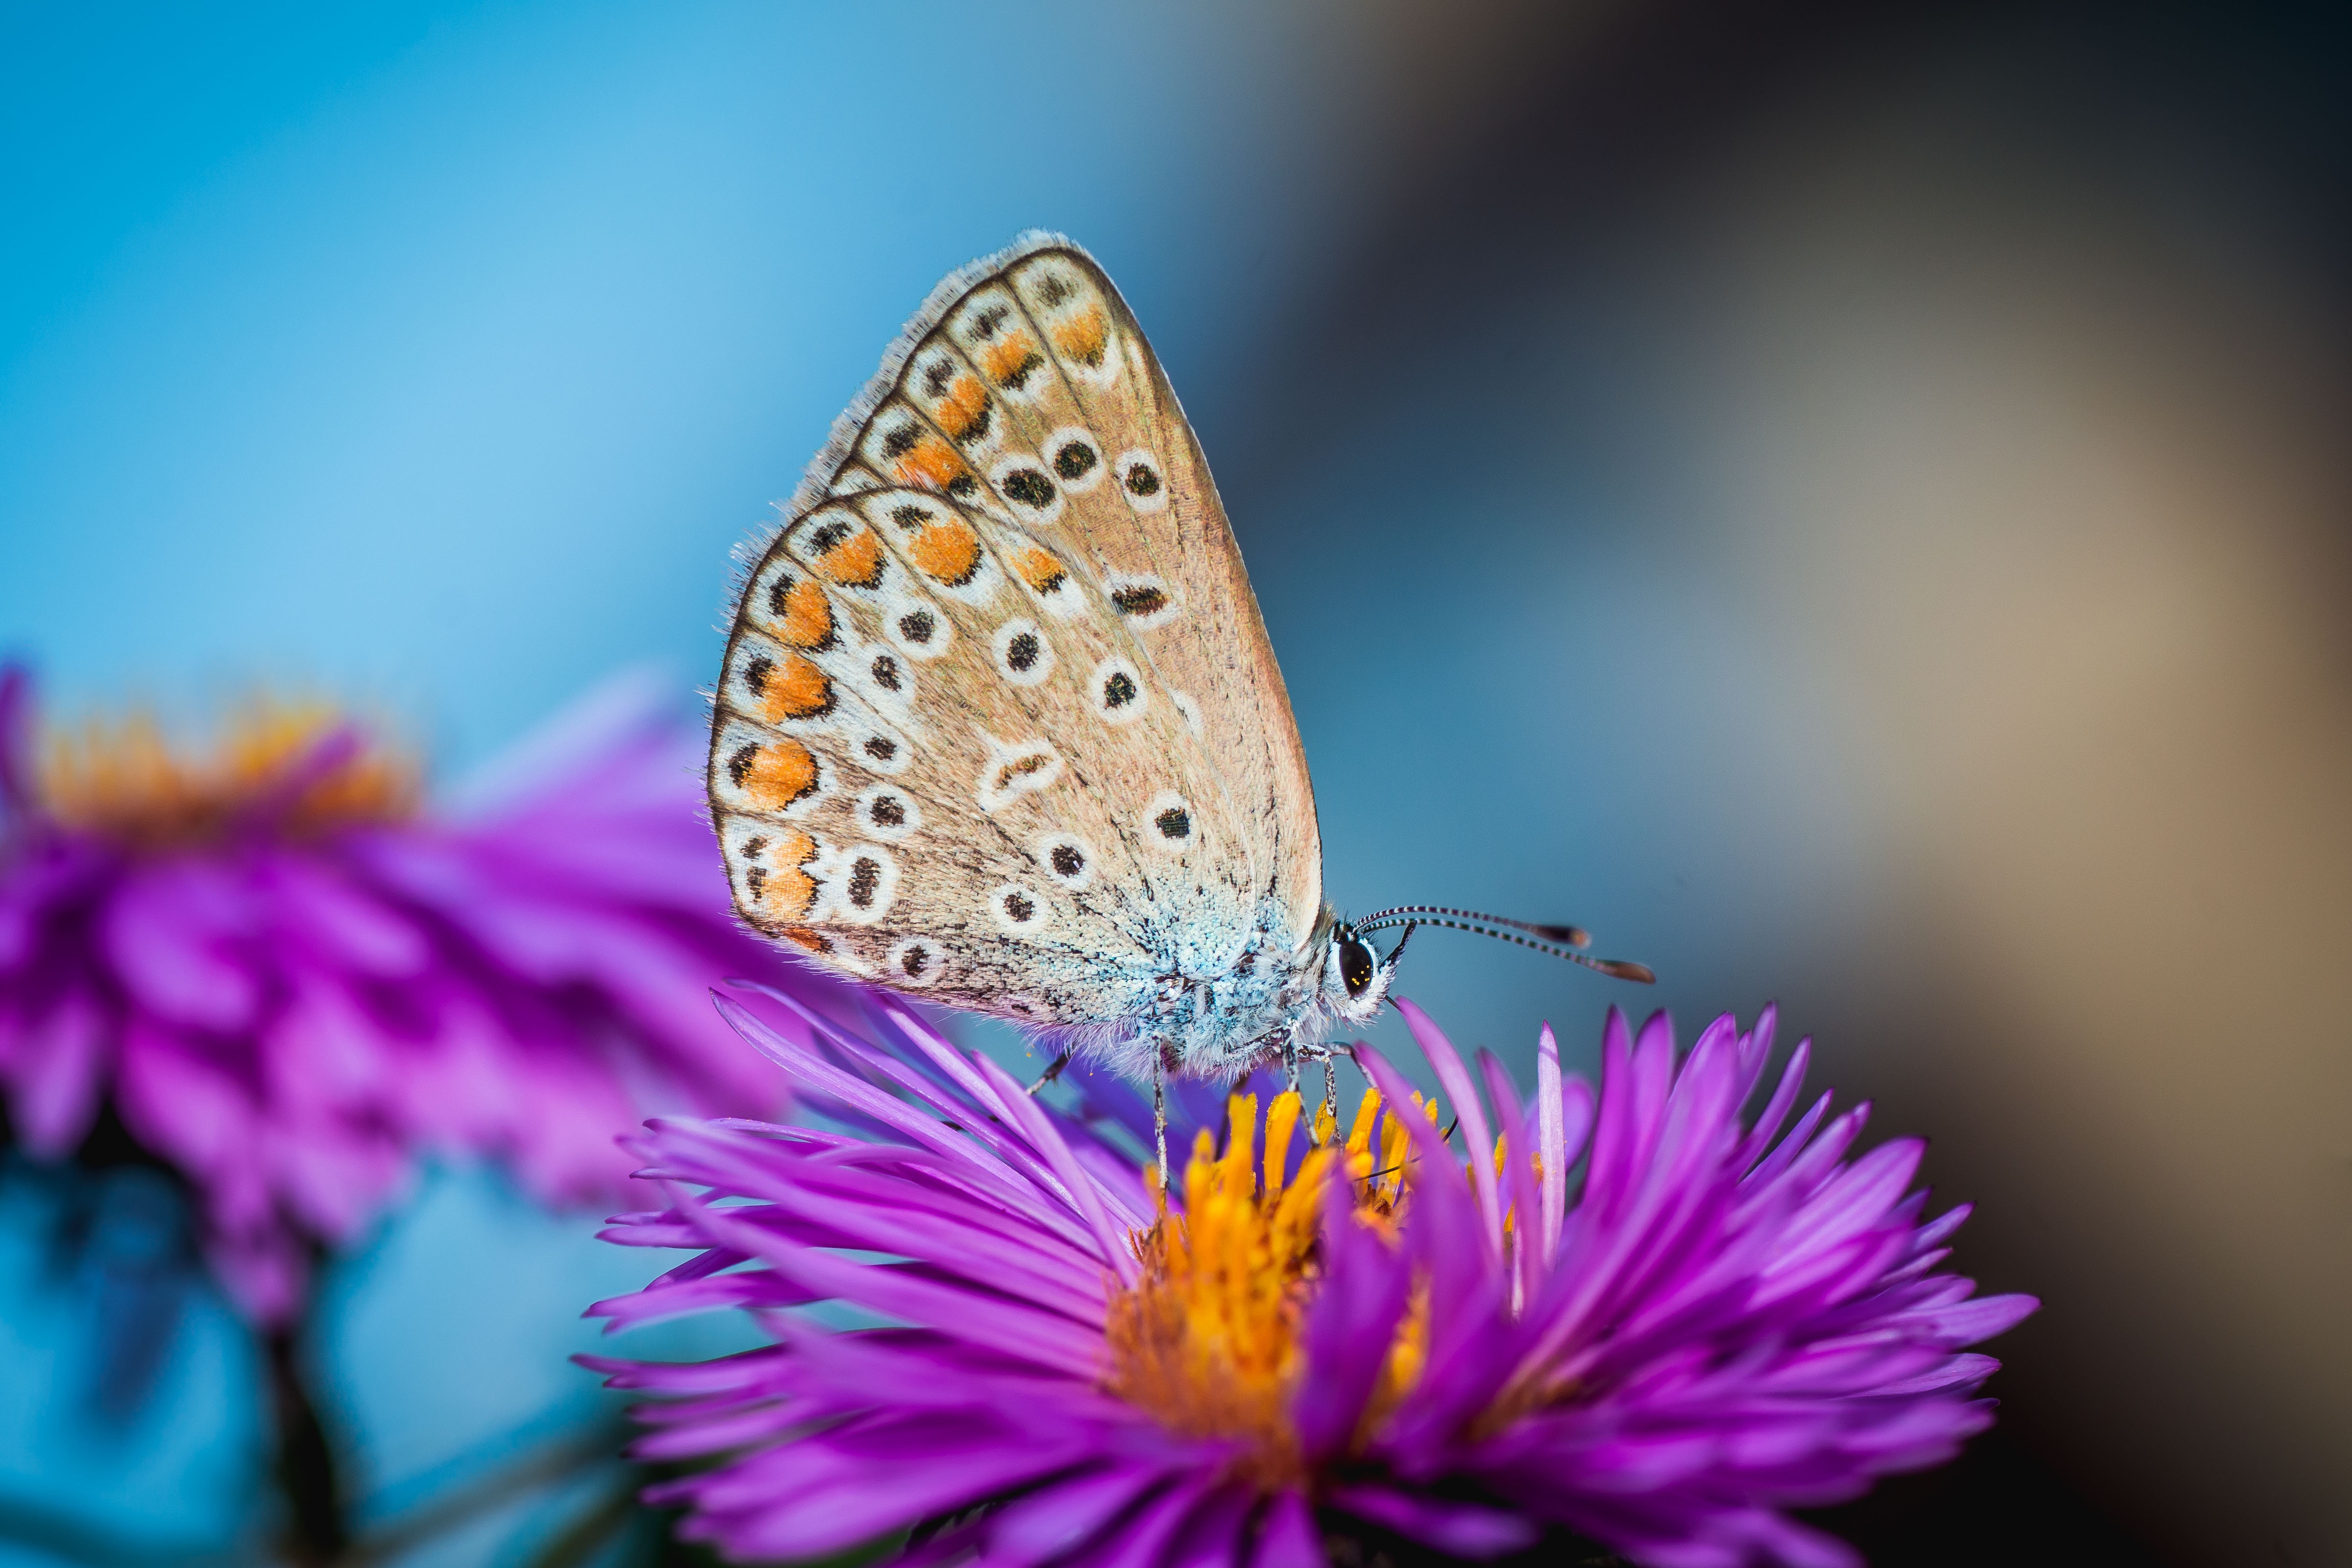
column 1849, row 503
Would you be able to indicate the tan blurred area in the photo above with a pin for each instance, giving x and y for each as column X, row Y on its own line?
column 1995, row 362
column 2059, row 528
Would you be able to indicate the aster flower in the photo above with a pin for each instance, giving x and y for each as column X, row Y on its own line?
column 279, row 972
column 1417, row 1331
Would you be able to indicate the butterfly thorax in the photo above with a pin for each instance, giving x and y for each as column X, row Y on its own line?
column 1220, row 1017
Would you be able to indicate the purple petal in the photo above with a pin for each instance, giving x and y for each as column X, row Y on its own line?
column 1349, row 1324
column 347, row 927
column 1143, row 1540
column 1211, row 1538
column 993, row 1322
column 16, row 797
column 1970, row 1322
column 1287, row 1536
column 1062, row 1517
column 1551, row 1142
column 168, row 932
column 1455, row 1080
column 57, row 1067
column 1458, row 1529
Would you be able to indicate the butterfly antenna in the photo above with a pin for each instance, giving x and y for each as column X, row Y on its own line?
column 1412, row 915
column 1568, row 935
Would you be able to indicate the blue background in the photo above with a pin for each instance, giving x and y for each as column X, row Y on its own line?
column 1846, row 507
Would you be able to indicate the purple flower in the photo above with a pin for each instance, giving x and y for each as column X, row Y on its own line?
column 290, row 982
column 1722, row 1322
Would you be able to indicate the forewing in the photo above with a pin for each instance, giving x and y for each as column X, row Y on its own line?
column 999, row 722
column 1028, row 390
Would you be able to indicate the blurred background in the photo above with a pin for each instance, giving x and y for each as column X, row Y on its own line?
column 1848, row 502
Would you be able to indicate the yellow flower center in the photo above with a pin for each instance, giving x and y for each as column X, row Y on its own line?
column 1209, row 1339
column 276, row 762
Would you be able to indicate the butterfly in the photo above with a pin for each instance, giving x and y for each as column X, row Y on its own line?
column 999, row 724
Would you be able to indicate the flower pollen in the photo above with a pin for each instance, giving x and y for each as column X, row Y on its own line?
column 302, row 769
column 1209, row 1339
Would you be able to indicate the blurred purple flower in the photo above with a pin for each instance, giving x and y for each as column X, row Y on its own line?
column 290, row 982
column 1723, row 1322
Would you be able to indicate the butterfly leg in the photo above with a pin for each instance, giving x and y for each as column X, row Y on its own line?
column 1159, row 1122
column 1332, row 1092
column 1290, row 1066
column 1050, row 1074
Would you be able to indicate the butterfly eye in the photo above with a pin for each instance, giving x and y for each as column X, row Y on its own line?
column 1356, row 965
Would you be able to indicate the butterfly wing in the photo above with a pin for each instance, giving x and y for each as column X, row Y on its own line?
column 1027, row 382
column 999, row 721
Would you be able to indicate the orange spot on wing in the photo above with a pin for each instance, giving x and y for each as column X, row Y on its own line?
column 933, row 463
column 947, row 550
column 1040, row 570
column 1082, row 337
column 1009, row 360
column 783, row 888
column 816, row 941
column 965, row 402
column 807, row 620
column 777, row 775
column 799, row 689
column 855, row 562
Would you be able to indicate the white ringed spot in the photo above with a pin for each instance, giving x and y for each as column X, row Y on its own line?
column 888, row 813
column 1075, row 459
column 1017, row 770
column 1118, row 692
column 890, row 682
column 1033, row 493
column 1016, row 909
column 880, row 751
column 1141, row 600
column 918, row 627
column 1142, row 479
column 862, row 880
column 914, row 961
column 1068, row 859
column 1023, row 655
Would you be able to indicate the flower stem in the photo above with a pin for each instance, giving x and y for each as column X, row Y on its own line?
column 316, row 1531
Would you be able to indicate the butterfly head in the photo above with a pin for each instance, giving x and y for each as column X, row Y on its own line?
column 1355, row 977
